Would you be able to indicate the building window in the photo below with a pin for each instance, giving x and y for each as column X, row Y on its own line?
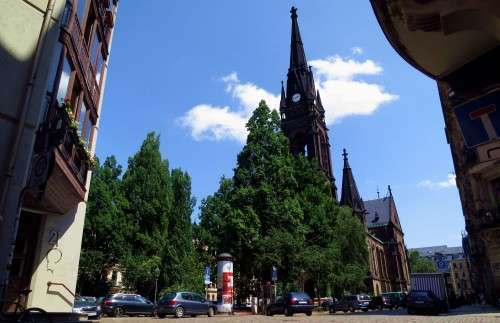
column 100, row 63
column 80, row 10
column 82, row 114
column 64, row 80
column 88, row 130
column 96, row 45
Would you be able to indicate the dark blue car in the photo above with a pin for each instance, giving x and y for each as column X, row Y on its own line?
column 295, row 302
column 184, row 303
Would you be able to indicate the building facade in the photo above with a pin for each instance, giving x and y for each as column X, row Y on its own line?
column 457, row 44
column 460, row 278
column 54, row 56
column 303, row 122
column 441, row 256
column 387, row 255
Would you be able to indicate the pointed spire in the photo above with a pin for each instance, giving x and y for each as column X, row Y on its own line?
column 283, row 97
column 350, row 195
column 319, row 104
column 389, row 191
column 297, row 54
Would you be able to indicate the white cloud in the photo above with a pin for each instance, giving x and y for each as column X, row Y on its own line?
column 342, row 91
column 357, row 50
column 449, row 182
column 217, row 123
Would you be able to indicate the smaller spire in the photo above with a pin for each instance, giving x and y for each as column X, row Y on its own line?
column 283, row 97
column 350, row 194
column 389, row 190
column 378, row 192
column 318, row 102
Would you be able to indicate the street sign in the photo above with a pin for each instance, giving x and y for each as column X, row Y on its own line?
column 274, row 274
column 207, row 275
column 479, row 119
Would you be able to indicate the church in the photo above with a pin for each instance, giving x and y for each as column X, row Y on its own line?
column 303, row 122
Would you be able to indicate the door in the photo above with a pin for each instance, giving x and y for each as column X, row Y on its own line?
column 187, row 303
column 24, row 256
column 131, row 304
column 200, row 304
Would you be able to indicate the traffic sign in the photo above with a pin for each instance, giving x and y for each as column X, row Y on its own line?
column 207, row 275
column 479, row 119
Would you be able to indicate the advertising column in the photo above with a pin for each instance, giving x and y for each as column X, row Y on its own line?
column 225, row 283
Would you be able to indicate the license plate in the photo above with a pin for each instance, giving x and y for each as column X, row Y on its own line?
column 91, row 313
column 303, row 302
column 419, row 302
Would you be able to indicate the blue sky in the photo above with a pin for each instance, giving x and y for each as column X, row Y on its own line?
column 193, row 70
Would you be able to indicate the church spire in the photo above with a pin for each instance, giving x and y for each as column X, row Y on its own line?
column 283, row 97
column 350, row 195
column 297, row 54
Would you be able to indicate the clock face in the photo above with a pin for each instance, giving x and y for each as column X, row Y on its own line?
column 296, row 97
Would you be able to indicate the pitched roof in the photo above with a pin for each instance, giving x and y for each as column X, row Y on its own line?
column 378, row 212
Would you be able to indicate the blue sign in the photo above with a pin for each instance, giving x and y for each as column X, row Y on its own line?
column 207, row 275
column 274, row 274
column 479, row 119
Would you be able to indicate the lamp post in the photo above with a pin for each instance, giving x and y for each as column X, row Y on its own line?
column 157, row 274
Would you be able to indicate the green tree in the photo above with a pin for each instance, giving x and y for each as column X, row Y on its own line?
column 180, row 265
column 105, row 231
column 146, row 186
column 419, row 264
column 278, row 210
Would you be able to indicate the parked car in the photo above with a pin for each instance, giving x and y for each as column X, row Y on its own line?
column 184, row 303
column 295, row 302
column 424, row 301
column 326, row 304
column 397, row 298
column 87, row 305
column 127, row 304
column 381, row 302
column 352, row 303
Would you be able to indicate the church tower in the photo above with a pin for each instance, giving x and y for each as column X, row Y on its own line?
column 301, row 110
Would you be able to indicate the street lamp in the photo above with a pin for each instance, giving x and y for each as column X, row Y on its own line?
column 157, row 274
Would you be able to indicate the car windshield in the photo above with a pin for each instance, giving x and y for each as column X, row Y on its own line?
column 364, row 297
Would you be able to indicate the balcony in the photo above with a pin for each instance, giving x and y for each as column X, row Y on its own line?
column 62, row 185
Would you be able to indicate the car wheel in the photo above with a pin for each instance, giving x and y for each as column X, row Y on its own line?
column 410, row 311
column 380, row 307
column 309, row 313
column 288, row 312
column 179, row 312
column 118, row 311
column 332, row 311
column 210, row 312
column 351, row 309
column 161, row 315
column 365, row 310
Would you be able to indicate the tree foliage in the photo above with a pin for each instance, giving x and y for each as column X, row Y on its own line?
column 140, row 223
column 278, row 210
column 419, row 264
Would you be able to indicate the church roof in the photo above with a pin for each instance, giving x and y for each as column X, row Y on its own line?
column 378, row 212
